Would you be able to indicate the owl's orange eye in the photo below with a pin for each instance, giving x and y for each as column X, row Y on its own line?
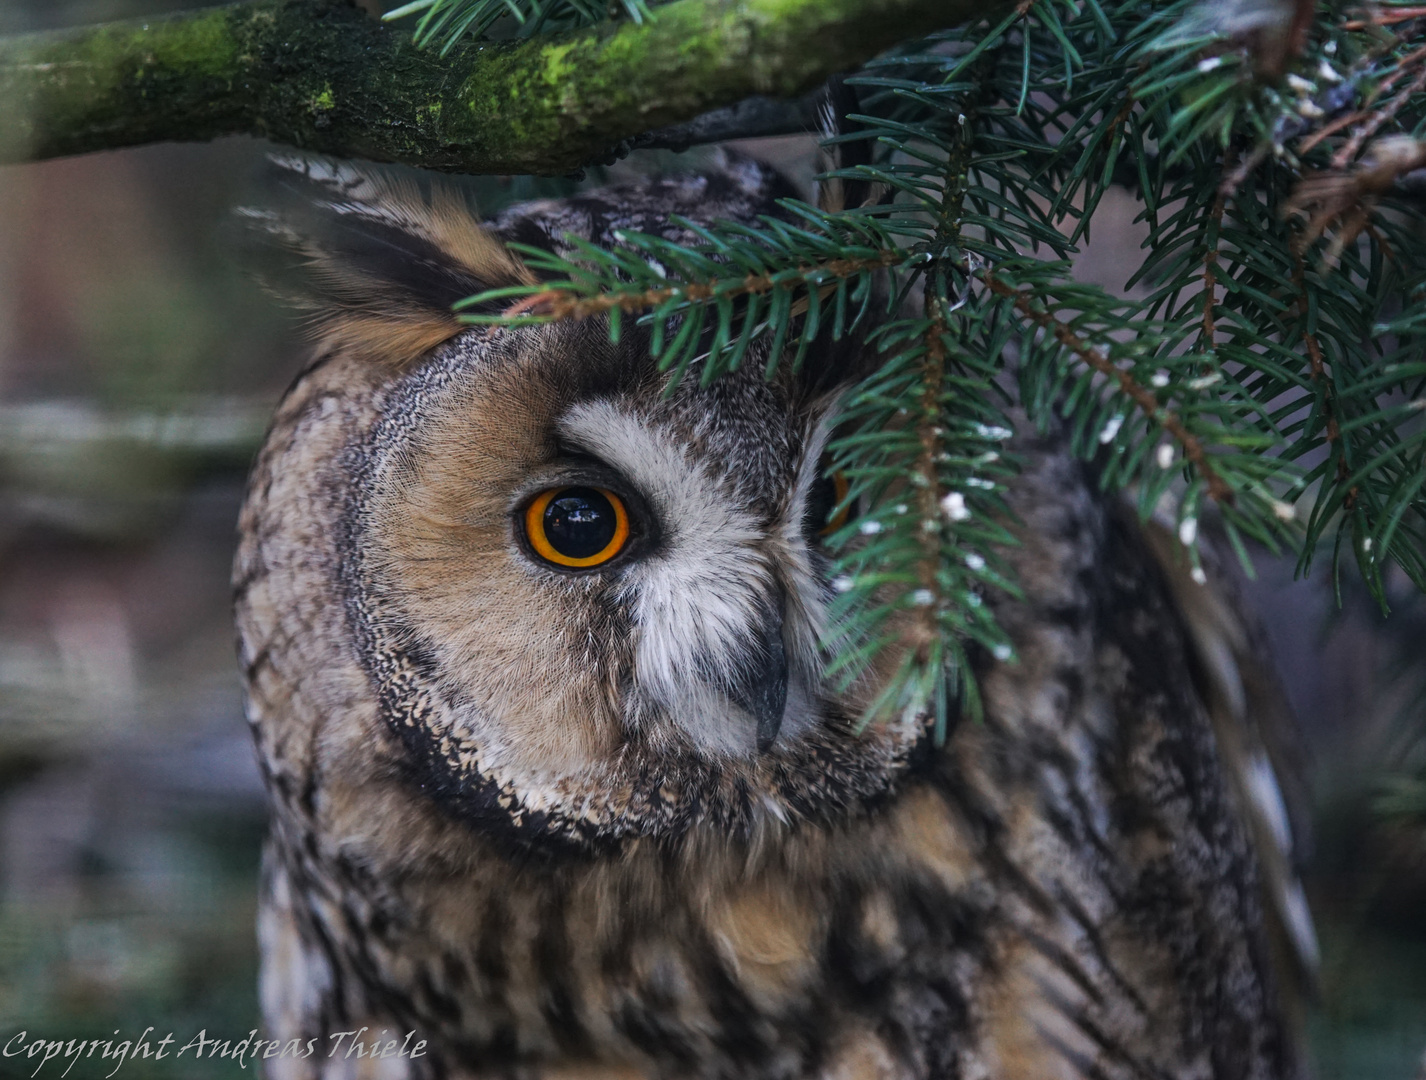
column 825, row 497
column 578, row 527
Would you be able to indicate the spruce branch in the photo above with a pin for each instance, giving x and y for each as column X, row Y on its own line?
column 1345, row 200
column 558, row 304
column 922, row 450
column 323, row 76
column 1321, row 379
column 930, row 421
column 1248, row 355
column 928, row 493
column 930, row 426
column 756, row 282
column 1385, row 17
column 1210, row 263
column 1139, row 394
column 923, row 453
column 1379, row 117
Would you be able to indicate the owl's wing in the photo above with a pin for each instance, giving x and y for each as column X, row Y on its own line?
column 375, row 257
column 1257, row 738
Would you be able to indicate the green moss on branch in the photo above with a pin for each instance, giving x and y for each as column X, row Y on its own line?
column 322, row 75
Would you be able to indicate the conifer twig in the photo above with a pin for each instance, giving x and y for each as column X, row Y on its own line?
column 1210, row 263
column 928, row 496
column 1385, row 18
column 1141, row 395
column 1317, row 371
column 561, row 304
column 1373, row 124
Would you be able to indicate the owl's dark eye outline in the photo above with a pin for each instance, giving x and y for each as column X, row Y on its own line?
column 827, row 494
column 558, row 541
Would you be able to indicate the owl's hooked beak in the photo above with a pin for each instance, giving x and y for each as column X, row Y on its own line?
column 763, row 690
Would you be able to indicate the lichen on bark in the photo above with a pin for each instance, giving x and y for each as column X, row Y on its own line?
column 323, row 76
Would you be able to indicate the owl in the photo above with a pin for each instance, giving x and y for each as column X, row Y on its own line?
column 560, row 787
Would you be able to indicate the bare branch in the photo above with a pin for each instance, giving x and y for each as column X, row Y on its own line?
column 323, row 76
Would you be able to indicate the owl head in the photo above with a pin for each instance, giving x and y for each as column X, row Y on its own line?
column 590, row 600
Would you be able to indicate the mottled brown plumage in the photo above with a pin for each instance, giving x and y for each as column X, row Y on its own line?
column 533, row 815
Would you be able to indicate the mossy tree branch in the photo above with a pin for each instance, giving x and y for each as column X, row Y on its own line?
column 324, row 76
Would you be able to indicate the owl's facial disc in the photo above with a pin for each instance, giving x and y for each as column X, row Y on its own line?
column 590, row 604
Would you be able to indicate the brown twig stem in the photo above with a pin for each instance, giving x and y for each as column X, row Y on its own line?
column 1317, row 370
column 1330, row 129
column 1343, row 156
column 1210, row 259
column 560, row 304
column 1385, row 18
column 1142, row 396
column 933, row 372
column 1315, row 137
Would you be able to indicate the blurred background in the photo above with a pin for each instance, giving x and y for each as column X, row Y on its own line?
column 138, row 367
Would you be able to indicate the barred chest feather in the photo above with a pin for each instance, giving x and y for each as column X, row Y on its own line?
column 1064, row 890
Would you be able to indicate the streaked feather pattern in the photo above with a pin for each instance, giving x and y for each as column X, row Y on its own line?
column 517, row 811
column 1257, row 742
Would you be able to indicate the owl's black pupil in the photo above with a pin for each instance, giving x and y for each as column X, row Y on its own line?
column 579, row 522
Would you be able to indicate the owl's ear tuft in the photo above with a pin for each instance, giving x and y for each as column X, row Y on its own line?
column 375, row 258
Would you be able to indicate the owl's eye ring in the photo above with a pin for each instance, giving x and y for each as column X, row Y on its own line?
column 827, row 506
column 841, row 485
column 577, row 527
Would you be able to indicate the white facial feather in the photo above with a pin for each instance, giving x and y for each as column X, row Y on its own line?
column 699, row 600
column 806, row 601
